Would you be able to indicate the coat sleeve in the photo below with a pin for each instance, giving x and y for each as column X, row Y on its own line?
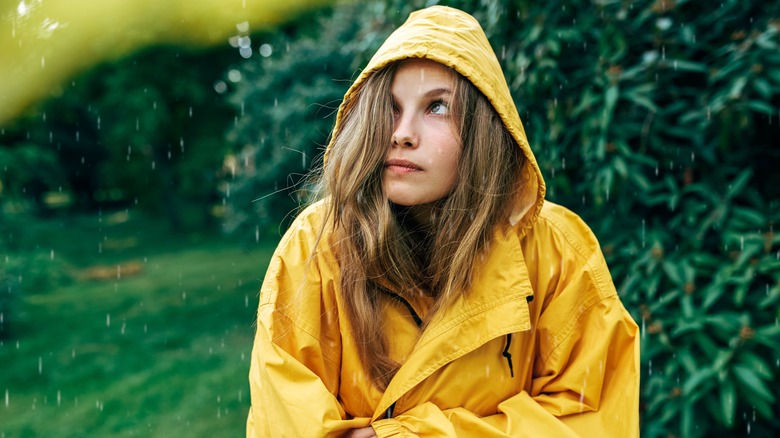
column 295, row 362
column 585, row 379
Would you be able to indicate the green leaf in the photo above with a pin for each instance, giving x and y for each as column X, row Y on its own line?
column 739, row 183
column 696, row 379
column 772, row 297
column 728, row 401
column 681, row 64
column 756, row 363
column 673, row 272
column 752, row 383
column 763, row 88
column 761, row 107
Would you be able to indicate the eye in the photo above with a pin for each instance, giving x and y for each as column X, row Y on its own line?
column 439, row 108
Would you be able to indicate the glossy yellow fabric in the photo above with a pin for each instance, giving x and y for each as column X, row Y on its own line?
column 574, row 348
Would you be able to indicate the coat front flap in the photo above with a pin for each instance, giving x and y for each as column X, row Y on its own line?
column 496, row 305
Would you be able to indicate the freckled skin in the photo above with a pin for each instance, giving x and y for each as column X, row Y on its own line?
column 425, row 144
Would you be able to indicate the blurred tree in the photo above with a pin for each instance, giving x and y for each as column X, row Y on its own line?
column 288, row 102
column 657, row 121
column 147, row 130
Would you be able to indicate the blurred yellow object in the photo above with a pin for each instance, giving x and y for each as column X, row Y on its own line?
column 44, row 43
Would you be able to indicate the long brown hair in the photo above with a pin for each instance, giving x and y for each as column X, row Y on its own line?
column 375, row 247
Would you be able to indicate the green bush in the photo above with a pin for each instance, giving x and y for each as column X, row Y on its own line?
column 25, row 270
column 657, row 121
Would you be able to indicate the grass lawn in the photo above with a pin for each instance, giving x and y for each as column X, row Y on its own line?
column 152, row 338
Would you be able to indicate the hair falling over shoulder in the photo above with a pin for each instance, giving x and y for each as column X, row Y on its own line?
column 375, row 248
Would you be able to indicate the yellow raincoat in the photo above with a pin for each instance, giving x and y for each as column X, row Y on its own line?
column 541, row 346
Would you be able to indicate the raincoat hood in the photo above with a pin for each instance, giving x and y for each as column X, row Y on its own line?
column 455, row 39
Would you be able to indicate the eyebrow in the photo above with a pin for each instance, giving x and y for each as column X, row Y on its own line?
column 437, row 92
column 430, row 94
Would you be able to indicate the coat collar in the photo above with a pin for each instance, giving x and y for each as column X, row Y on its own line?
column 495, row 306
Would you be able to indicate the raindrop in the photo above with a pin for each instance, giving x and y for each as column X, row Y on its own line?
column 190, row 112
column 59, row 397
column 643, row 225
column 124, row 327
column 257, row 238
column 52, row 255
column 98, row 123
column 245, row 52
column 183, row 295
column 154, row 165
column 40, row 365
column 234, row 75
column 242, row 26
column 78, row 136
column 22, row 9
column 663, row 23
column 246, row 301
column 43, row 62
column 220, row 87
column 266, row 50
column 108, row 320
column 7, row 398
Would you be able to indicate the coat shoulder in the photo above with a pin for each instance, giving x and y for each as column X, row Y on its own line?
column 560, row 231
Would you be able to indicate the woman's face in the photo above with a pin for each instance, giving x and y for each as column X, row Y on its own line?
column 421, row 165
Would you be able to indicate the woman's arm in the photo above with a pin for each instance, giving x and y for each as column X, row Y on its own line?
column 296, row 357
column 588, row 386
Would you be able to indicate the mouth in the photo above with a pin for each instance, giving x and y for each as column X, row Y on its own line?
column 402, row 166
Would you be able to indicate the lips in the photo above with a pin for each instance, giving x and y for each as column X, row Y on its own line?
column 399, row 165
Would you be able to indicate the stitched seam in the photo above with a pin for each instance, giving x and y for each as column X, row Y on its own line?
column 561, row 335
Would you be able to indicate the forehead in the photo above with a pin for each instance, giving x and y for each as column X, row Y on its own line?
column 422, row 71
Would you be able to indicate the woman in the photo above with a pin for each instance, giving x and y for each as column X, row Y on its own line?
column 432, row 291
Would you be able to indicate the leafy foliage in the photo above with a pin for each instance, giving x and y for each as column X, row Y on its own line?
column 657, row 121
column 146, row 130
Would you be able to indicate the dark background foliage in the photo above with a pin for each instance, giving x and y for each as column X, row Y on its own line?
column 657, row 121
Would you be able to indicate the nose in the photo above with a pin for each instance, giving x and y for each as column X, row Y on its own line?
column 406, row 132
